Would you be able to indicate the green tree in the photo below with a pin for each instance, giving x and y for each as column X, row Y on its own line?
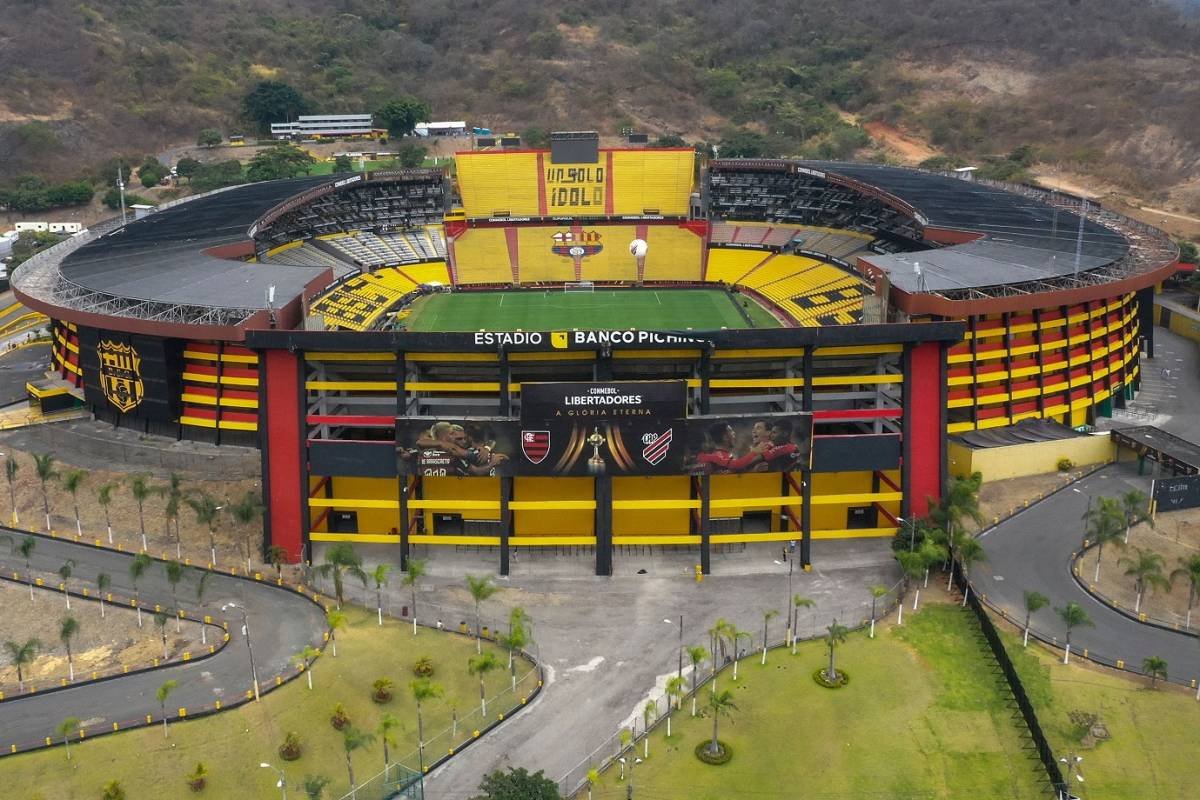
column 43, row 463
column 161, row 694
column 113, row 791
column 10, row 473
column 354, row 739
column 22, row 653
column 721, row 704
column 411, row 155
column 1189, row 570
column 401, row 114
column 140, row 488
column 277, row 556
column 416, row 571
column 149, row 176
column 1104, row 522
column 481, row 664
column 160, row 622
column 1034, row 602
column 767, row 617
column 912, row 567
column 1073, row 616
column 1135, row 507
column 65, row 729
column 174, row 572
column 207, row 511
column 68, row 629
column 304, row 660
column 960, row 503
column 244, row 512
column 314, row 786
column 188, row 167
column 273, row 101
column 799, row 601
column 877, row 591
column 674, row 691
column 1146, row 569
column 423, row 690
column 26, row 548
column 1189, row 253
column 518, row 784
column 697, row 655
column 64, row 572
column 103, row 581
column 137, row 568
column 207, row 177
column 515, row 640
column 481, row 589
column 835, row 634
column 208, row 137
column 343, row 164
column 386, row 731
column 744, row 143
column 380, row 576
column 593, row 775
column 173, row 491
column 340, row 560
column 104, row 496
column 335, row 618
column 535, row 137
column 72, row 479
column 283, row 160
column 969, row 552
column 1156, row 668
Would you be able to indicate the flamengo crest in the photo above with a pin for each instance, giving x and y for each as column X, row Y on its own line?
column 535, row 445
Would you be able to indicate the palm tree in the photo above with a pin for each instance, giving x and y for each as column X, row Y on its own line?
column 514, row 640
column 314, row 786
column 64, row 572
column 593, row 777
column 1147, row 573
column 380, row 576
column 736, row 634
column 245, row 511
column 1034, row 602
column 481, row 589
column 22, row 654
column 354, row 739
column 277, row 556
column 103, row 581
column 1104, row 523
column 798, row 602
column 674, row 690
column 65, row 728
column 174, row 572
column 26, row 548
column 386, row 731
column 912, row 567
column 335, row 618
column 201, row 585
column 206, row 511
column 10, row 472
column 1156, row 668
column 104, row 496
column 72, row 479
column 423, row 689
column 68, row 629
column 835, row 635
column 649, row 714
column 43, row 463
column 1189, row 570
column 481, row 665
column 877, row 591
column 339, row 560
column 969, row 552
column 698, row 655
column 721, row 705
column 137, row 568
column 304, row 660
column 1136, row 507
column 162, row 693
column 1073, row 616
column 174, row 495
column 960, row 503
column 140, row 488
column 767, row 617
column 416, row 571
column 160, row 620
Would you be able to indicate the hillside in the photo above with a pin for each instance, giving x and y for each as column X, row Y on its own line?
column 1101, row 88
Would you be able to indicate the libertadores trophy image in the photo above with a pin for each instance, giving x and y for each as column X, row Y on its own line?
column 596, row 465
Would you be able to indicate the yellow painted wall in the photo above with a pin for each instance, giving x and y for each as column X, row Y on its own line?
column 370, row 520
column 639, row 522
column 554, row 522
column 1186, row 324
column 1034, row 458
column 833, row 517
column 753, row 484
column 451, row 490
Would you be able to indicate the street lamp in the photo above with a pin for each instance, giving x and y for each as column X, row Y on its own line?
column 281, row 784
column 246, row 633
column 912, row 531
column 213, row 545
column 1072, row 761
column 669, row 622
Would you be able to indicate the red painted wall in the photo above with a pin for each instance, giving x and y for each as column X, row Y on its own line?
column 284, row 447
column 925, row 427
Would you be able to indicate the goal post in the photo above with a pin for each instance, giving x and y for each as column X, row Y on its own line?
column 579, row 286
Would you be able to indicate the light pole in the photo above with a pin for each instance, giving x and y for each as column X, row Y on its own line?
column 212, row 545
column 669, row 622
column 1072, row 761
column 790, row 608
column 281, row 784
column 912, row 532
column 246, row 633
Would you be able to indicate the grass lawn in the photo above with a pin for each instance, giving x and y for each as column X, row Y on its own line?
column 1152, row 747
column 922, row 716
column 233, row 744
column 604, row 309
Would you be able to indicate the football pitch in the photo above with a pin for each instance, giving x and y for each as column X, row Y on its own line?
column 603, row 309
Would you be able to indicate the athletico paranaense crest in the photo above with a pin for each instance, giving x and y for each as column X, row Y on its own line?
column 120, row 374
column 656, row 447
column 535, row 445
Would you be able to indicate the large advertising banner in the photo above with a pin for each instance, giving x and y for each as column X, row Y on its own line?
column 137, row 376
column 614, row 428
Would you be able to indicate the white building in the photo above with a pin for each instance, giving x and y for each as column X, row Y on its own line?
column 456, row 128
column 313, row 125
column 64, row 228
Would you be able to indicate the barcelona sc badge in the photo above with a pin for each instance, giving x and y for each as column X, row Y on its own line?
column 120, row 375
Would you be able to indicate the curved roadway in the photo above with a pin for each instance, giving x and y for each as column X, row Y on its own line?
column 281, row 623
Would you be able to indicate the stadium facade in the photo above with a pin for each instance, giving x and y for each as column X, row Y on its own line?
column 878, row 310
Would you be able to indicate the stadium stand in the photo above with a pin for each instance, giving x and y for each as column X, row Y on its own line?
column 812, row 292
column 652, row 181
column 729, row 266
column 360, row 302
column 481, row 257
column 498, row 184
column 305, row 254
column 370, row 250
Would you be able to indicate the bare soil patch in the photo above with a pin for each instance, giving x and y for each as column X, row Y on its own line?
column 1176, row 537
column 999, row 499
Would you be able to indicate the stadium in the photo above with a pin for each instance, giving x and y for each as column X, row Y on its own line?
column 591, row 351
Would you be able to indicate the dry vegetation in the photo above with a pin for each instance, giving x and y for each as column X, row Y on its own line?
column 1176, row 537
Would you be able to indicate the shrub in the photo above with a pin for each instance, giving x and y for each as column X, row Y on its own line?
column 821, row 680
column 382, row 690
column 198, row 778
column 721, row 757
column 1065, row 464
column 113, row 791
column 340, row 718
column 423, row 668
column 291, row 749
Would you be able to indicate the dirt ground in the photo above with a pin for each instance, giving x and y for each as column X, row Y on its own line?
column 102, row 644
column 998, row 499
column 1176, row 537
column 231, row 538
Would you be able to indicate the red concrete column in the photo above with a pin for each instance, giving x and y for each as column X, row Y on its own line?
column 924, row 426
column 283, row 451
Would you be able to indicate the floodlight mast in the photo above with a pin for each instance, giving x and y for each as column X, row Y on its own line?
column 121, row 189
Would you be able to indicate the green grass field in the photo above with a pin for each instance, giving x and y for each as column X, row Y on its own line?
column 232, row 744
column 1151, row 751
column 604, row 309
column 922, row 717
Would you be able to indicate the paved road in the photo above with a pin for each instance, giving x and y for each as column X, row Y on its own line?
column 281, row 624
column 608, row 642
column 1032, row 551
